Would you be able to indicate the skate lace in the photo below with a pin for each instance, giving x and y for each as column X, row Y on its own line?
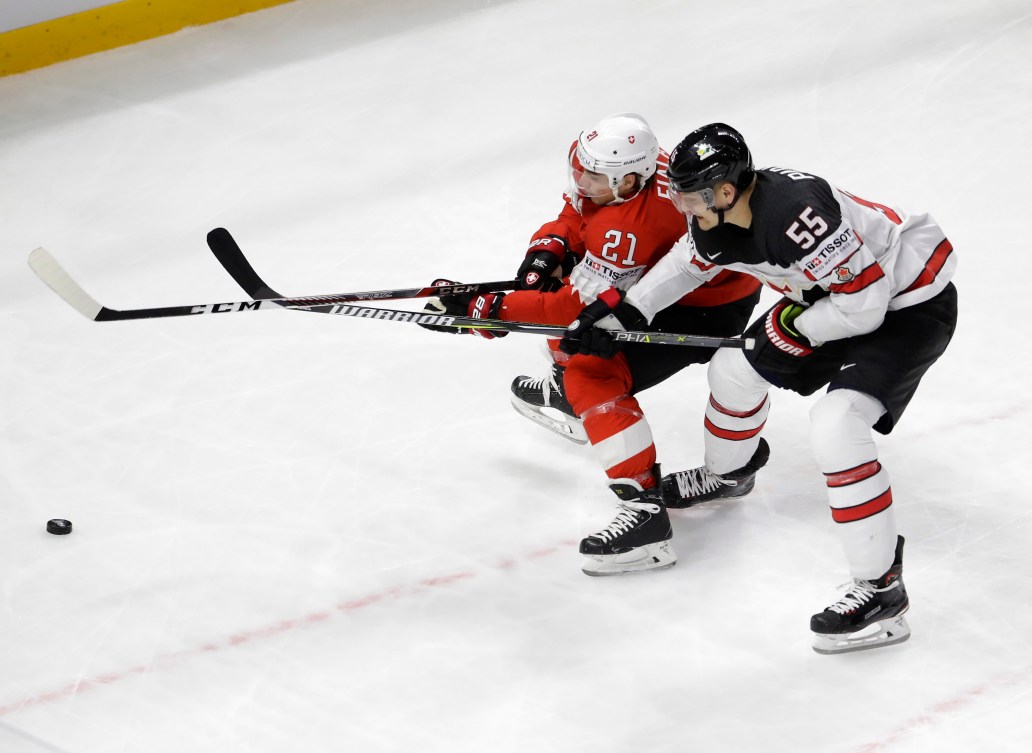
column 624, row 521
column 546, row 385
column 861, row 592
column 531, row 383
column 536, row 383
column 697, row 481
column 554, row 384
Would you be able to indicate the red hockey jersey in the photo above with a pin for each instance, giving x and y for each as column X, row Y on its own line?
column 617, row 244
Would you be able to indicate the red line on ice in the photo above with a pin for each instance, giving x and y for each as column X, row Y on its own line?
column 951, row 705
column 278, row 628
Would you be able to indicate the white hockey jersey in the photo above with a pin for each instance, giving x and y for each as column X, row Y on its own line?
column 849, row 260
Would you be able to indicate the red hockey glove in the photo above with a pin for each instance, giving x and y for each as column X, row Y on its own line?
column 591, row 334
column 543, row 258
column 485, row 306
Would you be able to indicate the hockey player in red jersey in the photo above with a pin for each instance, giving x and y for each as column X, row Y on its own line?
column 868, row 307
column 618, row 222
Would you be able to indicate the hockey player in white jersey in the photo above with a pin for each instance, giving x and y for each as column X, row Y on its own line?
column 868, row 306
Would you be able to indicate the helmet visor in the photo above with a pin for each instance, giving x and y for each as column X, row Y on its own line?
column 584, row 182
column 692, row 202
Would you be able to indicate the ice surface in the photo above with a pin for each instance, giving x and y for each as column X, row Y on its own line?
column 311, row 533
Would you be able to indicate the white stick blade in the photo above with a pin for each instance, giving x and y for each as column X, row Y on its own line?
column 53, row 274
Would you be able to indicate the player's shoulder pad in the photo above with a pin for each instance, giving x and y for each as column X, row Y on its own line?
column 794, row 188
column 805, row 221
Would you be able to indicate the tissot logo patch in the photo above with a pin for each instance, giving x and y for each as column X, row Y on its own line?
column 834, row 249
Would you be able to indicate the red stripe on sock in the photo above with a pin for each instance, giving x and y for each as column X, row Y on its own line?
column 736, row 414
column 866, row 510
column 845, row 478
column 632, row 468
column 735, row 436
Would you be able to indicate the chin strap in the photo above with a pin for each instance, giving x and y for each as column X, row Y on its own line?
column 641, row 182
column 728, row 208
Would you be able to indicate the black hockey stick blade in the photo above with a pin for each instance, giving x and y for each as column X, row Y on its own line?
column 232, row 258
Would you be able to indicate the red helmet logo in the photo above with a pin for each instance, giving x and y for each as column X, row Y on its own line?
column 630, row 138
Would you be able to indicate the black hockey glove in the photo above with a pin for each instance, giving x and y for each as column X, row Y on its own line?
column 478, row 306
column 446, row 305
column 544, row 257
column 780, row 346
column 592, row 332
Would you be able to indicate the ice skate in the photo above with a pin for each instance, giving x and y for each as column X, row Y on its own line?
column 697, row 485
column 543, row 400
column 869, row 615
column 637, row 539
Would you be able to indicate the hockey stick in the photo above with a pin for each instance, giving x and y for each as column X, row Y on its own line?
column 232, row 258
column 54, row 275
column 48, row 269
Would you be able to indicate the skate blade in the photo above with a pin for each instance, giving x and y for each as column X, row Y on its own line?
column 879, row 634
column 570, row 428
column 652, row 557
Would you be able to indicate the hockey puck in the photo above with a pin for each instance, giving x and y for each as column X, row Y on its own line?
column 59, row 526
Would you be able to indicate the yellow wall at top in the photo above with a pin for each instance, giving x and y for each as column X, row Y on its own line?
column 110, row 26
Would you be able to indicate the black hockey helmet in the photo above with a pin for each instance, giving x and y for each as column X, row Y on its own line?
column 710, row 155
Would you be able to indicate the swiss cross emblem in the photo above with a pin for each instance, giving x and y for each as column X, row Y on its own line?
column 630, row 139
column 842, row 274
column 532, row 278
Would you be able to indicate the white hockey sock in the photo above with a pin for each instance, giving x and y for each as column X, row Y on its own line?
column 736, row 411
column 858, row 487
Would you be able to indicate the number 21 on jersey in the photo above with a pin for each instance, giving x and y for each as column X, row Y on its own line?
column 615, row 245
